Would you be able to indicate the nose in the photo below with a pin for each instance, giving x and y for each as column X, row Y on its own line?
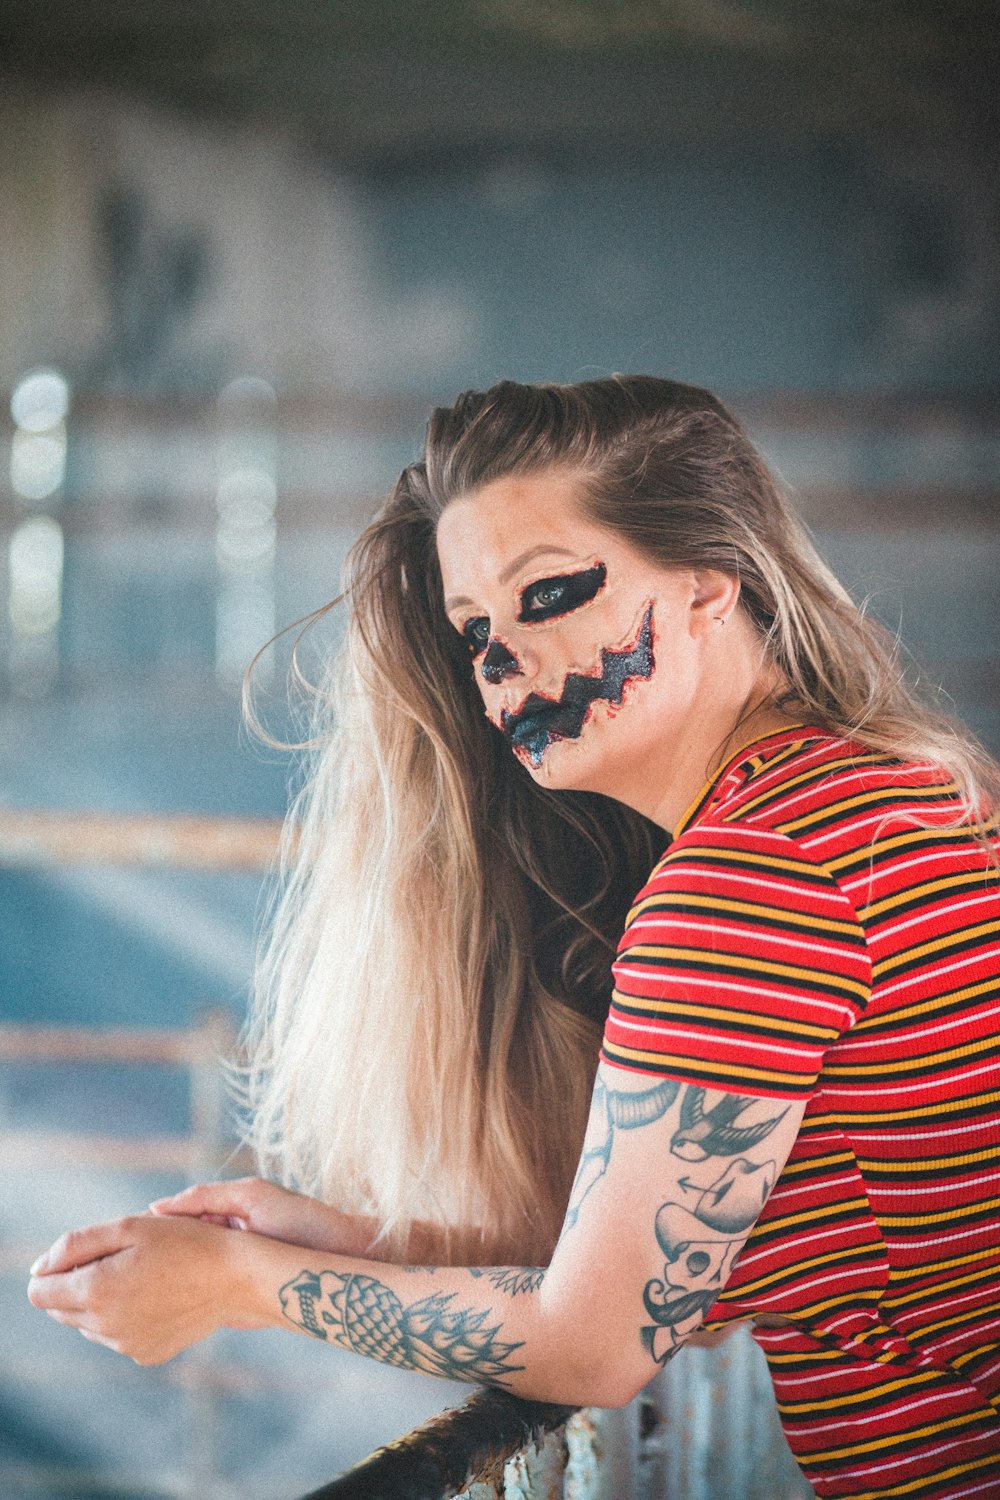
column 499, row 663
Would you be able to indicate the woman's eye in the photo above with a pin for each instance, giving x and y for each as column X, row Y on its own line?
column 548, row 597
column 477, row 633
column 544, row 596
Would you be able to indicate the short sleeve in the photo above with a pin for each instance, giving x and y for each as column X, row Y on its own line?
column 742, row 961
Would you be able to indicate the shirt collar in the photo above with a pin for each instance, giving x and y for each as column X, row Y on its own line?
column 715, row 787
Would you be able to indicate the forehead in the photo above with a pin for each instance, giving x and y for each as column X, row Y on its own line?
column 480, row 535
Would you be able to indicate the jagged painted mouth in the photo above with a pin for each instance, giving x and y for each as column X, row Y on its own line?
column 540, row 720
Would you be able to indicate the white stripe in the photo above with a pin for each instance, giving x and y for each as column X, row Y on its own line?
column 914, row 1087
column 905, row 813
column 914, row 1032
column 741, row 926
column 939, row 911
column 877, row 1189
column 755, row 1044
column 913, row 978
column 855, row 1227
column 932, row 1398
column 839, row 1012
column 744, row 879
column 952, row 852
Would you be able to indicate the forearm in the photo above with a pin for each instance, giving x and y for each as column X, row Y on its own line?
column 498, row 1326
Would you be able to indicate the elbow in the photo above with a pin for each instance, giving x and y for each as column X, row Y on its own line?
column 608, row 1383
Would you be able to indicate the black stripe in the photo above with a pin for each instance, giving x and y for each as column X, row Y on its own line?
column 671, row 903
column 826, row 984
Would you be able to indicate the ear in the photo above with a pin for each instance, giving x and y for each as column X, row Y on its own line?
column 713, row 600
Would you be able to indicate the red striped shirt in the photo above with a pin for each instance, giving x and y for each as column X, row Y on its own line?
column 816, row 929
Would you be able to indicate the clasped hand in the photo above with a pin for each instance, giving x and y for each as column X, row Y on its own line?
column 150, row 1285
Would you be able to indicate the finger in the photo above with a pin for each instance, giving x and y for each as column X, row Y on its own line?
column 225, row 1199
column 61, row 1294
column 80, row 1246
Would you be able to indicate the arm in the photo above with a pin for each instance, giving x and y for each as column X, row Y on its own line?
column 649, row 1243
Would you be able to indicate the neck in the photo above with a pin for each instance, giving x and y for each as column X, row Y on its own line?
column 703, row 755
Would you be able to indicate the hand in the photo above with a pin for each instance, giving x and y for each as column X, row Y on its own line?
column 265, row 1208
column 146, row 1287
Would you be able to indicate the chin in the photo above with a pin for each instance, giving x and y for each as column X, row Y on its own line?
column 566, row 766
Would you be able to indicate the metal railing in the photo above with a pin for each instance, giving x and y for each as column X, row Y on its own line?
column 494, row 1445
column 706, row 1429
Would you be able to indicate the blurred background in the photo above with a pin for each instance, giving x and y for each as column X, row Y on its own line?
column 245, row 246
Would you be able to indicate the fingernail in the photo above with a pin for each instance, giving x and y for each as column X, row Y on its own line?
column 39, row 1265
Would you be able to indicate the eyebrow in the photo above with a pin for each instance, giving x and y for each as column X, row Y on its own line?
column 515, row 567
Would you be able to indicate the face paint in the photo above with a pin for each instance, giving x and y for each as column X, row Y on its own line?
column 477, row 633
column 499, row 663
column 540, row 720
column 548, row 597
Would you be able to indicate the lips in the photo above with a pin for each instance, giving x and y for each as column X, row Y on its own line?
column 540, row 720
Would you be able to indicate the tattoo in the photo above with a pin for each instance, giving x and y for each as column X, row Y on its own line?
column 710, row 1133
column 613, row 1108
column 430, row 1335
column 701, row 1236
column 511, row 1279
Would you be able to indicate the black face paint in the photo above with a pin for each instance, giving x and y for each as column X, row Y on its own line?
column 548, row 597
column 499, row 663
column 540, row 720
column 477, row 633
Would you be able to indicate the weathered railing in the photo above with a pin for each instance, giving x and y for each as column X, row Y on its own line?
column 492, row 1446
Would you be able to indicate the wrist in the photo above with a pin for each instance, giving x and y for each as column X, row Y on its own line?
column 250, row 1298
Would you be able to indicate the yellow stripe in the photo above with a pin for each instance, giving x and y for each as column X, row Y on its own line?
column 650, row 1007
column 926, row 1059
column 718, row 904
column 808, row 1165
column 915, row 892
column 928, row 1268
column 970, row 1314
column 928, row 1007
column 779, row 1276
column 745, row 962
column 852, row 1398
column 673, row 1063
column 815, row 773
column 960, row 1158
column 912, row 1434
column 894, row 1303
column 961, row 934
column 968, row 1355
column 962, row 833
column 769, row 861
column 815, row 1214
column 955, row 1211
column 866, row 799
column 918, row 1112
column 955, row 1472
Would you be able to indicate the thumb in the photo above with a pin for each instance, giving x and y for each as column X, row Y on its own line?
column 80, row 1246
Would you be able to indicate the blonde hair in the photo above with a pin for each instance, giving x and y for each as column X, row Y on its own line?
column 437, row 967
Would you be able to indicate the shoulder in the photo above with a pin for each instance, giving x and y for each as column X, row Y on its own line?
column 825, row 777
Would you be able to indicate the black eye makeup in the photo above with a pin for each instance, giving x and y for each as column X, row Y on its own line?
column 548, row 597
column 477, row 633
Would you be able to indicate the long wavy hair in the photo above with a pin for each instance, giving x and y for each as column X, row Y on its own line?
column 436, row 968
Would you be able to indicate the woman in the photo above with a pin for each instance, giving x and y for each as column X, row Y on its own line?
column 796, row 1113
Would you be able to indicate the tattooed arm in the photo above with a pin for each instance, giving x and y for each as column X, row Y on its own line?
column 672, row 1180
